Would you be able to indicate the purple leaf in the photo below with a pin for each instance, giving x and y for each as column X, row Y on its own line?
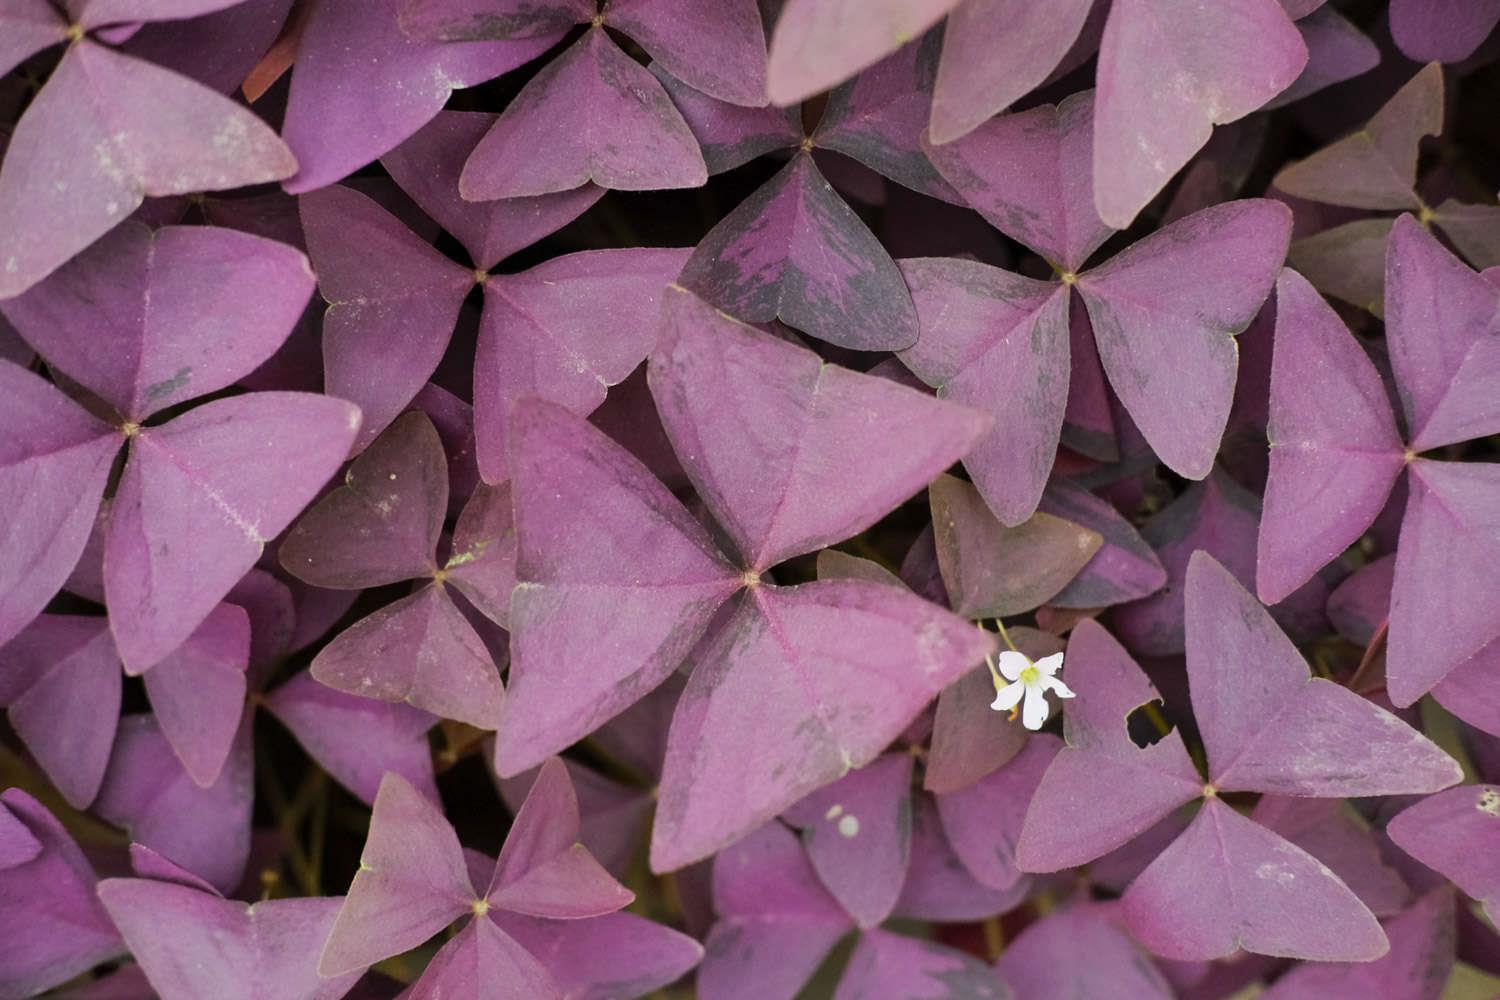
column 193, row 945
column 1274, row 728
column 613, row 816
column 411, row 883
column 1229, row 883
column 801, row 685
column 983, row 821
column 1080, row 951
column 1470, row 690
column 998, row 342
column 1447, row 575
column 938, row 886
column 1455, row 833
column 483, row 960
column 382, row 525
column 420, row 650
column 616, row 955
column 1170, row 72
column 428, row 165
column 475, row 20
column 357, row 740
column 1442, row 30
column 770, row 903
column 482, row 565
column 392, row 303
column 766, row 428
column 1336, row 51
column 816, row 45
column 878, row 119
column 1347, row 262
column 220, row 476
column 1124, row 569
column 1359, row 606
column 543, row 871
column 607, row 559
column 1079, row 812
column 973, row 84
column 889, row 964
column 29, row 26
column 1416, row 968
column 110, row 130
column 149, row 864
column 1184, row 292
column 564, row 331
column 362, row 87
column 147, row 791
column 592, row 114
column 730, row 135
column 1375, row 167
column 1029, row 175
column 1333, row 833
column 795, row 251
column 54, row 463
column 55, row 927
column 60, row 680
column 1443, row 334
column 991, row 571
column 857, row 834
column 219, row 49
column 98, row 13
column 716, row 48
column 17, row 845
column 180, row 312
column 1335, row 451
column 198, row 692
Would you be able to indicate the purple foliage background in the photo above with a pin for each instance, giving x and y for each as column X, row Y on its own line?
column 903, row 499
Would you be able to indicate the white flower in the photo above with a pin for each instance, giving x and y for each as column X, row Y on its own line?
column 1031, row 681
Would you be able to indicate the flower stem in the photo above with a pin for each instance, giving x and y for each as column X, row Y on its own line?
column 1006, row 636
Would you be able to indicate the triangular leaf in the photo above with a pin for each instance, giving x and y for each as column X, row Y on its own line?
column 198, row 692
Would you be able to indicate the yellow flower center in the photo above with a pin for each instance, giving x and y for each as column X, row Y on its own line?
column 1030, row 676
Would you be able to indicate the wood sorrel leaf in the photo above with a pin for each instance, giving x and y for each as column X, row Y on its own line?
column 795, row 251
column 475, row 20
column 1454, row 833
column 1442, row 30
column 192, row 944
column 483, row 959
column 1044, row 960
column 1124, row 569
column 592, row 114
column 618, row 954
column 983, row 821
column 198, row 692
column 1332, row 832
column 717, row 48
column 766, row 428
column 888, row 963
column 1170, row 72
column 1230, row 883
column 26, row 28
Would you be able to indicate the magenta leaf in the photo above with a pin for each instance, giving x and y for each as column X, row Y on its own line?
column 475, row 20
column 769, row 902
column 1230, row 883
column 564, row 331
column 592, row 114
column 1443, row 333
column 1333, row 833
column 801, row 685
column 811, row 425
column 220, row 474
column 983, row 821
column 1276, row 729
column 1124, row 569
column 198, row 692
column 483, row 960
column 110, row 130
column 1184, row 292
column 1335, row 451
column 192, row 944
column 730, row 135
column 991, row 571
column 1442, row 30
column 149, row 793
column 60, row 681
column 998, row 342
column 938, row 886
column 1080, row 951
column 1376, row 166
column 1336, row 51
column 616, row 955
column 362, row 86
column 716, row 48
column 606, row 558
column 1454, row 833
column 972, row 84
column 26, row 28
column 1078, row 812
column 889, row 964
column 857, row 833
column 817, row 45
column 357, row 740
column 795, row 251
column 55, row 927
column 186, row 311
column 1170, row 72
column 98, row 13
column 482, row 564
column 392, row 303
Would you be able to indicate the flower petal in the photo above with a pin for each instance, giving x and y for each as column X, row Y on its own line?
column 1053, row 684
column 1034, row 712
column 1012, row 663
column 1049, row 665
column 1007, row 697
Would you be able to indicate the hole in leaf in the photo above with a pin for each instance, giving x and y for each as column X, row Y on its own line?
column 1147, row 723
